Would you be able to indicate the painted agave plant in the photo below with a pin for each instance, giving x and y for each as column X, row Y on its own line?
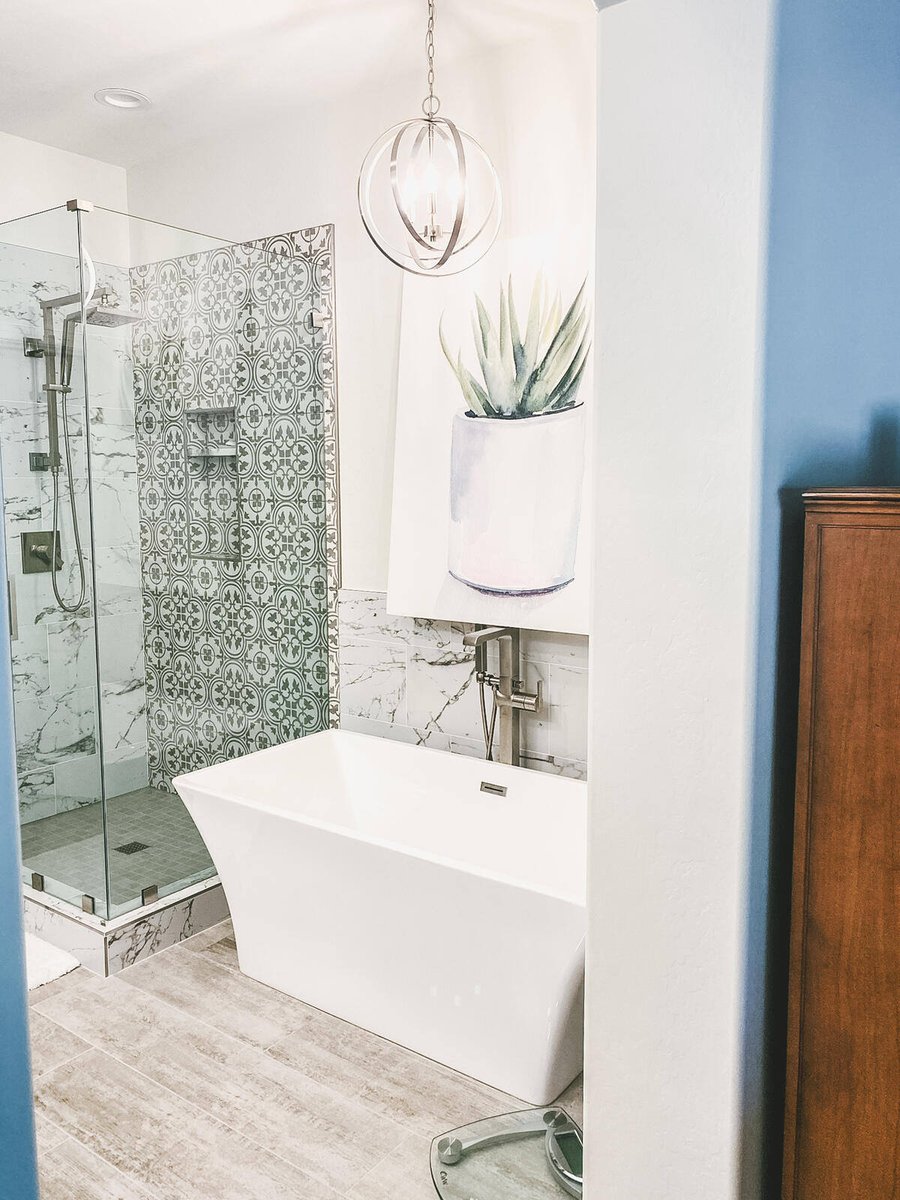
column 525, row 376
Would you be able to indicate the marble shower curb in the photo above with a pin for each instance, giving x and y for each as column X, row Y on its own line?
column 107, row 947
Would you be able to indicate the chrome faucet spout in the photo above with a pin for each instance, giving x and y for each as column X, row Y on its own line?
column 491, row 633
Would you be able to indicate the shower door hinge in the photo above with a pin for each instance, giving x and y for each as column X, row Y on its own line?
column 37, row 881
column 150, row 895
column 318, row 318
column 88, row 904
column 79, row 206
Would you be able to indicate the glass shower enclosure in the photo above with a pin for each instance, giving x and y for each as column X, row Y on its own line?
column 165, row 400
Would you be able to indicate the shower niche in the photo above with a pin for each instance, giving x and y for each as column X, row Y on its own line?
column 214, row 483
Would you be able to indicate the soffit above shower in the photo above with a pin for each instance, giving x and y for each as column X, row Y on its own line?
column 213, row 64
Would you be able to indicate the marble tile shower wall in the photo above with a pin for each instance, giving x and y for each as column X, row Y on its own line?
column 413, row 680
column 54, row 674
column 235, row 400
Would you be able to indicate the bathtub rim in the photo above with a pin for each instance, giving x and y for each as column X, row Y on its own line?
column 229, row 796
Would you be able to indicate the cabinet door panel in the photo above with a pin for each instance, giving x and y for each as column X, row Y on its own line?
column 848, row 1140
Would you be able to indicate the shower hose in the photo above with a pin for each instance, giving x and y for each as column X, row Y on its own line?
column 488, row 727
column 66, row 607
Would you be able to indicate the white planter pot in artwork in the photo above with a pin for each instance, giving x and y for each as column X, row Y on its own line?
column 515, row 501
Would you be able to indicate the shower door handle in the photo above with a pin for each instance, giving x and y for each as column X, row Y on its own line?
column 13, row 610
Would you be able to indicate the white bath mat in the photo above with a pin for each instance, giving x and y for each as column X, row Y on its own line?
column 45, row 962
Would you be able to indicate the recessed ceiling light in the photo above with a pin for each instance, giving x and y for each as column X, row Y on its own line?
column 121, row 98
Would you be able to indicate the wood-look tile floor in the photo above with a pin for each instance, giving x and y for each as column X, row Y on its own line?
column 182, row 1079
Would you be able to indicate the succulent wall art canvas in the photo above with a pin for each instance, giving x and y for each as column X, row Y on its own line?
column 495, row 383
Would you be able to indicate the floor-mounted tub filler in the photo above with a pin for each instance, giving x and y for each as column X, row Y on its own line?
column 434, row 899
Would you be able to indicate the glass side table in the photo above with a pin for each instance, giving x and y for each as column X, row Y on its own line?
column 535, row 1154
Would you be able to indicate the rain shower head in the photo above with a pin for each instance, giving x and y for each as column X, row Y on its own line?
column 110, row 318
column 106, row 315
column 103, row 315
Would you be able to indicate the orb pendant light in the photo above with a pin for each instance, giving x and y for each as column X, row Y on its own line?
column 429, row 196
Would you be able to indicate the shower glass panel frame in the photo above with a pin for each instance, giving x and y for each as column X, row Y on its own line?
column 177, row 385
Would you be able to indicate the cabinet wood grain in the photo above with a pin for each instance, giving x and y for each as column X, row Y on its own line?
column 842, row 1124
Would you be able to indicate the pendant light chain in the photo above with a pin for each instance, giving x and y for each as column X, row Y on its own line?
column 431, row 103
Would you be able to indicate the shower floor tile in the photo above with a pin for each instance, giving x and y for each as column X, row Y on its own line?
column 67, row 848
column 182, row 1079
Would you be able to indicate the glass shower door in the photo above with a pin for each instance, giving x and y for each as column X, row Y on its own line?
column 154, row 848
column 167, row 417
column 45, row 464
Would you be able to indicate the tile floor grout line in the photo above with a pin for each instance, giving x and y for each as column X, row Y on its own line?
column 353, row 1097
column 268, row 1048
column 88, row 1046
column 265, row 1049
column 230, row 1121
column 405, row 1129
column 130, row 1179
column 64, row 1134
column 223, row 1124
column 120, row 975
column 390, row 1153
column 84, row 1145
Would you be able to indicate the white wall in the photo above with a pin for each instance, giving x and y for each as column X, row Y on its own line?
column 532, row 106
column 682, row 129
column 35, row 177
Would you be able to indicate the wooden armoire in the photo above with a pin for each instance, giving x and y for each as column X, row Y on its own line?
column 842, row 1120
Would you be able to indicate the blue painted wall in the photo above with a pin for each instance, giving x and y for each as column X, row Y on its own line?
column 17, row 1156
column 831, row 413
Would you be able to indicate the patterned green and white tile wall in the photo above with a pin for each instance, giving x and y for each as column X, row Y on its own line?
column 239, row 545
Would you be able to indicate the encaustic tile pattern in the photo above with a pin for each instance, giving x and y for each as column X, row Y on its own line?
column 238, row 537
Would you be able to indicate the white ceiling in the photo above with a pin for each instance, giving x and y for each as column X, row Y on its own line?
column 208, row 64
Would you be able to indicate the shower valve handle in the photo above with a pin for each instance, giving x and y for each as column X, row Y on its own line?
column 532, row 702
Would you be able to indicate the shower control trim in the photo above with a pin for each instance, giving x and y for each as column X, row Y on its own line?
column 37, row 552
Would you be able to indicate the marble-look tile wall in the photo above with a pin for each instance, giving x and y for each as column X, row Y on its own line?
column 413, row 680
column 54, row 673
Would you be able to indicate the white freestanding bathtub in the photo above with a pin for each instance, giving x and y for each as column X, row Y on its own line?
column 379, row 882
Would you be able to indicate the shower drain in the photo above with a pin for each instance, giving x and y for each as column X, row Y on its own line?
column 131, row 847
